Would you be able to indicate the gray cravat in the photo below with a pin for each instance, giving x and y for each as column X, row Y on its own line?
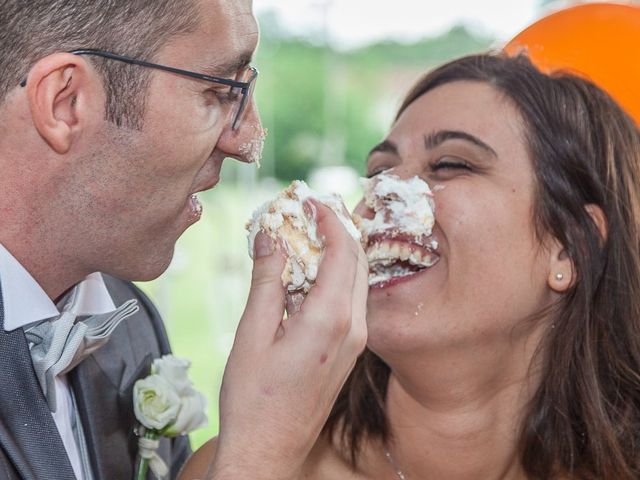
column 59, row 345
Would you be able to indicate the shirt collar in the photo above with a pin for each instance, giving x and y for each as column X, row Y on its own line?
column 26, row 302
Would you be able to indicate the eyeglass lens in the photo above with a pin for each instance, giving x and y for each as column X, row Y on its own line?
column 248, row 76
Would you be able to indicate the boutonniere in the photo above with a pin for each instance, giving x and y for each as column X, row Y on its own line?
column 166, row 405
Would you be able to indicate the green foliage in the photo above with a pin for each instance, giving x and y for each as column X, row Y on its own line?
column 425, row 53
column 327, row 107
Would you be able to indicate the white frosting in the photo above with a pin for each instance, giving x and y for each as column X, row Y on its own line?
column 401, row 208
column 404, row 206
column 284, row 218
column 252, row 150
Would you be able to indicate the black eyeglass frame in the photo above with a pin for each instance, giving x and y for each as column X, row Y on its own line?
column 244, row 87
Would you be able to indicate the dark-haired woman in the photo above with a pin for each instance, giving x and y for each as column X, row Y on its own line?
column 517, row 355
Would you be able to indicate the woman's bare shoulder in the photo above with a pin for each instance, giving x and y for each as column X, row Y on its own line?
column 323, row 463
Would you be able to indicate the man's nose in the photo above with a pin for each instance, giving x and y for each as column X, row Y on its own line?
column 245, row 142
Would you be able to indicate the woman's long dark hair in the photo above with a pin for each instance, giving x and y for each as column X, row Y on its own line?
column 584, row 419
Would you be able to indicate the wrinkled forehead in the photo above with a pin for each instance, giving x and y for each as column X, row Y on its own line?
column 230, row 18
column 227, row 33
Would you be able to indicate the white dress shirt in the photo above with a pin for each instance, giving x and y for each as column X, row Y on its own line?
column 25, row 302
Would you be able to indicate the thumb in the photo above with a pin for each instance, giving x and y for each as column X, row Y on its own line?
column 265, row 306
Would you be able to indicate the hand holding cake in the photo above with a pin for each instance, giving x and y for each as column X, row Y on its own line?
column 286, row 219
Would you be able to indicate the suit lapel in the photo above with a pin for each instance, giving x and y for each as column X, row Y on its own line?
column 28, row 434
column 103, row 386
column 106, row 411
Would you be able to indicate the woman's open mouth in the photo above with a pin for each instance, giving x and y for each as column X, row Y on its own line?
column 396, row 257
column 398, row 238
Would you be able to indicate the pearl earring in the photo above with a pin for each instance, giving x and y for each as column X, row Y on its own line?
column 559, row 276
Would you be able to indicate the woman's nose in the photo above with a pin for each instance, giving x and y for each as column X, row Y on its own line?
column 404, row 171
column 364, row 211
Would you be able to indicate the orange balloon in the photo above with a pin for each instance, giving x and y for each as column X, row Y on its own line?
column 600, row 41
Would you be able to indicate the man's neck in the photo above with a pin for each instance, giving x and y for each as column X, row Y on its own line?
column 54, row 273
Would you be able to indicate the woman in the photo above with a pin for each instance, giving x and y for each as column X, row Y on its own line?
column 517, row 355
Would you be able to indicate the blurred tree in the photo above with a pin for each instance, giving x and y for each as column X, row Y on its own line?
column 323, row 106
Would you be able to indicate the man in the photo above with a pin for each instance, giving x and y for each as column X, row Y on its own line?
column 102, row 150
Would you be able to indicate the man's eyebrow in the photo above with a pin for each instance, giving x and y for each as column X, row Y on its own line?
column 436, row 138
column 384, row 147
column 228, row 69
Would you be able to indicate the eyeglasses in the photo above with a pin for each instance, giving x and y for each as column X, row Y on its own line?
column 242, row 86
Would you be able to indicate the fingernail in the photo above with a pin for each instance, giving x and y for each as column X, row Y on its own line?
column 262, row 245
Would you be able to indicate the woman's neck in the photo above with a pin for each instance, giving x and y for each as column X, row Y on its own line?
column 458, row 414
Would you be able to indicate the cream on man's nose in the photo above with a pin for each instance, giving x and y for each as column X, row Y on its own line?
column 246, row 142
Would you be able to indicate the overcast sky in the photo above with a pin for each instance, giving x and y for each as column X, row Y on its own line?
column 355, row 22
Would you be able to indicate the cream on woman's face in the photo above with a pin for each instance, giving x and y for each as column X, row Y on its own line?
column 467, row 141
column 398, row 239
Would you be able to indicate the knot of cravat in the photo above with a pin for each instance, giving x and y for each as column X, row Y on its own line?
column 61, row 344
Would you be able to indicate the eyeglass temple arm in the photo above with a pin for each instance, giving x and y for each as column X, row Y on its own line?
column 120, row 58
column 142, row 63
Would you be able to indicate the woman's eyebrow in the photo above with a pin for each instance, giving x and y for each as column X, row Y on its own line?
column 384, row 147
column 434, row 139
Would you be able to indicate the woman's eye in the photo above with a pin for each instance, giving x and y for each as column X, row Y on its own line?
column 450, row 164
column 375, row 172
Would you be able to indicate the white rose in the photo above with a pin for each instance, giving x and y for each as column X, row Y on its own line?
column 155, row 402
column 174, row 370
column 192, row 415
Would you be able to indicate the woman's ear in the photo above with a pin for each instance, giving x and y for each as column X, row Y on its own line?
column 561, row 270
column 59, row 90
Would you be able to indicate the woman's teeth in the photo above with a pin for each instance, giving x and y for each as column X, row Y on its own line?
column 391, row 252
column 393, row 259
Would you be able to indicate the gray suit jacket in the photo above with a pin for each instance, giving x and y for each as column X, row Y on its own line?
column 30, row 446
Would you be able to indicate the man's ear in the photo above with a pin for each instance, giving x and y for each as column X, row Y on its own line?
column 561, row 270
column 61, row 89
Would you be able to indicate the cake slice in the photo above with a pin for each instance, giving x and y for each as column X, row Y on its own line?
column 284, row 218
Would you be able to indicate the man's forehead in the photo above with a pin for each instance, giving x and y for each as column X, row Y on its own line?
column 243, row 6
column 225, row 39
column 226, row 12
